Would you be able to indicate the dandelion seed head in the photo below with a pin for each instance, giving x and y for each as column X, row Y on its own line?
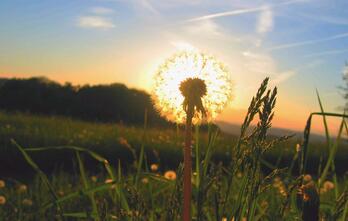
column 216, row 91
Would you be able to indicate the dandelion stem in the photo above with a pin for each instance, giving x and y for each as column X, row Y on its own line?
column 193, row 89
column 188, row 165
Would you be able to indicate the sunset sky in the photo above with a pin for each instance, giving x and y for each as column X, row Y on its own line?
column 302, row 45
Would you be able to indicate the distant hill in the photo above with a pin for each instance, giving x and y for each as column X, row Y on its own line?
column 234, row 129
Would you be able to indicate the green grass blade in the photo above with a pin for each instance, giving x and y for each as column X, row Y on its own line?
column 141, row 157
column 41, row 174
column 197, row 155
column 332, row 155
column 76, row 194
column 209, row 151
column 327, row 133
column 86, row 185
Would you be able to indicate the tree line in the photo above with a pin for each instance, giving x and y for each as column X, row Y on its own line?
column 103, row 103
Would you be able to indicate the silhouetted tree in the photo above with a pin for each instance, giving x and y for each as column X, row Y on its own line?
column 106, row 103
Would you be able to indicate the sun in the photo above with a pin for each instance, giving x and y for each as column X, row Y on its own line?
column 185, row 65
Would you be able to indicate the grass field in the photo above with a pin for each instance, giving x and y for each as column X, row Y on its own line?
column 119, row 142
column 55, row 168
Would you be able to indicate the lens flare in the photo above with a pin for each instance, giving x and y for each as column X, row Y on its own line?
column 182, row 66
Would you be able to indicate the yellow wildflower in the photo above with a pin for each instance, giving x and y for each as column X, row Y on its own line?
column 154, row 167
column 108, row 181
column 22, row 188
column 2, row 200
column 145, row 180
column 170, row 175
column 328, row 185
column 27, row 202
column 94, row 179
column 2, row 184
column 307, row 178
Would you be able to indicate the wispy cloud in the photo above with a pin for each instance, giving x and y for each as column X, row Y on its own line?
column 243, row 11
column 325, row 19
column 148, row 5
column 208, row 27
column 95, row 22
column 265, row 21
column 324, row 53
column 309, row 42
column 101, row 10
column 282, row 77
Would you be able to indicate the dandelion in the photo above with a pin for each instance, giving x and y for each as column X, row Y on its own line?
column 191, row 87
column 307, row 178
column 108, row 181
column 22, row 188
column 2, row 184
column 113, row 186
column 94, row 179
column 328, row 185
column 170, row 175
column 322, row 190
column 124, row 142
column 282, row 191
column 145, row 180
column 264, row 204
column 27, row 202
column 185, row 75
column 61, row 193
column 154, row 167
column 2, row 200
column 277, row 182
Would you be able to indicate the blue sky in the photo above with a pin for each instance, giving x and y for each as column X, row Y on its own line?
column 301, row 44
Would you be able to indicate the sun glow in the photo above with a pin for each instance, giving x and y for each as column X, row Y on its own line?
column 182, row 66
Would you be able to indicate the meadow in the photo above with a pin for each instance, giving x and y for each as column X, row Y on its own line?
column 56, row 168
